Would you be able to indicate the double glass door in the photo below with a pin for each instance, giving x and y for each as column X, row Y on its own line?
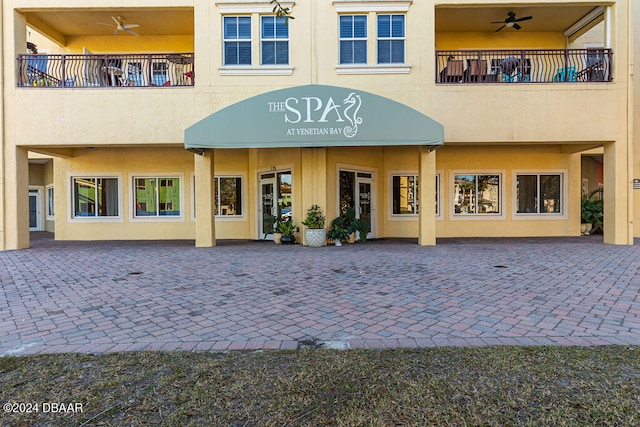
column 275, row 201
column 356, row 191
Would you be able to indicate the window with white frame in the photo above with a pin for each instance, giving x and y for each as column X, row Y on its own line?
column 237, row 40
column 50, row 210
column 228, row 195
column 94, row 197
column 539, row 193
column 274, row 40
column 353, row 39
column 405, row 194
column 476, row 194
column 157, row 196
column 391, row 39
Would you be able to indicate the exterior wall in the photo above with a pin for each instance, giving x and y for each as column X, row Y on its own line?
column 487, row 127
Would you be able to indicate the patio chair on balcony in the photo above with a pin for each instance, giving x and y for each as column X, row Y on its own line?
column 454, row 71
column 566, row 74
column 476, row 70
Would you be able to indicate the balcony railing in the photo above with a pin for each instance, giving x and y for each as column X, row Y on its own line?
column 130, row 70
column 523, row 66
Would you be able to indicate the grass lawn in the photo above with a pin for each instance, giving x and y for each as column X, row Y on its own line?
column 484, row 386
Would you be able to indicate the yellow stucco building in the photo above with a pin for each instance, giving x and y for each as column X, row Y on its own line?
column 196, row 119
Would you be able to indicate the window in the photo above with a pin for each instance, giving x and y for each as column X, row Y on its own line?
column 405, row 191
column 95, row 197
column 274, row 41
column 476, row 194
column 157, row 197
column 391, row 39
column 237, row 40
column 50, row 210
column 538, row 193
column 353, row 39
column 228, row 196
column 405, row 194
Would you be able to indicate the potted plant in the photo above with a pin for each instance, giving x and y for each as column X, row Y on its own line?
column 287, row 228
column 362, row 227
column 591, row 211
column 269, row 224
column 277, row 234
column 315, row 234
column 349, row 221
column 337, row 233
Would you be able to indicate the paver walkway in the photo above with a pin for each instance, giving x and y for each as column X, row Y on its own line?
column 123, row 296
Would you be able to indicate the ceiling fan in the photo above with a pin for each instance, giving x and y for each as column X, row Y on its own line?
column 121, row 26
column 511, row 21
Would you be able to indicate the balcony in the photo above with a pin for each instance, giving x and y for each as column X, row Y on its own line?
column 106, row 71
column 523, row 66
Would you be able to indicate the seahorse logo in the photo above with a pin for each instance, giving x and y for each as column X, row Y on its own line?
column 352, row 102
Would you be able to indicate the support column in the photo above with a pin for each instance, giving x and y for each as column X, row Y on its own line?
column 15, row 198
column 617, row 195
column 426, row 194
column 314, row 182
column 205, row 200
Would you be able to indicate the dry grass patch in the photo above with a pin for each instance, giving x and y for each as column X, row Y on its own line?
column 488, row 386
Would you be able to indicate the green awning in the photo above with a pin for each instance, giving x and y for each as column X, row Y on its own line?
column 314, row 116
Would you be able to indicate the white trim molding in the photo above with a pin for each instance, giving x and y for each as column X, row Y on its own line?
column 253, row 70
column 564, row 192
column 347, row 69
column 248, row 6
column 478, row 216
column 355, row 6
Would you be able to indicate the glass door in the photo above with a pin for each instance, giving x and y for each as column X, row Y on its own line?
column 364, row 202
column 276, row 200
column 267, row 205
column 356, row 191
column 34, row 210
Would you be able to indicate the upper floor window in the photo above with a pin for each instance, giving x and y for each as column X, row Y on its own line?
column 237, row 40
column 274, row 40
column 353, row 39
column 391, row 38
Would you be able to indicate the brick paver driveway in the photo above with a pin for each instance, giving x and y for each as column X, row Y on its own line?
column 122, row 296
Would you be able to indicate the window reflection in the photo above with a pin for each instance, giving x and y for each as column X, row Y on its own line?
column 476, row 194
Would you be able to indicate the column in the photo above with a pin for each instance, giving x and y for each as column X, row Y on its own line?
column 426, row 194
column 617, row 195
column 205, row 200
column 15, row 198
column 314, row 182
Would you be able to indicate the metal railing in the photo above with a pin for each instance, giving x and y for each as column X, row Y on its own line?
column 127, row 70
column 524, row 66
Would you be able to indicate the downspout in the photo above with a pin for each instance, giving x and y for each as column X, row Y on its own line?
column 3, row 211
column 630, row 118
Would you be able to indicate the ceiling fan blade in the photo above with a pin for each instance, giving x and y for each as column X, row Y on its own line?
column 497, row 22
column 500, row 28
column 115, row 20
column 125, row 26
column 116, row 31
column 516, row 26
column 131, row 32
column 526, row 18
